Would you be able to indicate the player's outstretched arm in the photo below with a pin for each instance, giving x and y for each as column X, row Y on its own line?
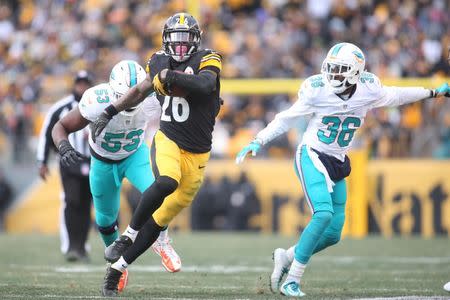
column 71, row 122
column 133, row 97
column 395, row 96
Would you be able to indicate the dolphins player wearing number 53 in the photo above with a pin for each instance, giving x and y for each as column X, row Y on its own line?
column 338, row 99
column 119, row 152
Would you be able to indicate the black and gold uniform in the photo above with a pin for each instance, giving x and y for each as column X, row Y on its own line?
column 189, row 121
column 181, row 148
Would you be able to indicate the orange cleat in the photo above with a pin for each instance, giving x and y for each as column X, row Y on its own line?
column 169, row 258
column 123, row 281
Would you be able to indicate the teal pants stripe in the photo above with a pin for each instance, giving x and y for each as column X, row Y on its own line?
column 106, row 182
column 328, row 209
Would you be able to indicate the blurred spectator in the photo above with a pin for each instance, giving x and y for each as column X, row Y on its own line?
column 6, row 197
column 225, row 205
column 43, row 41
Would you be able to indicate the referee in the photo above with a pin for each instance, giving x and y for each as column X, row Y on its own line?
column 75, row 215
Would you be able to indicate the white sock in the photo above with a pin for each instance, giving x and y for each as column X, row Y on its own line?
column 131, row 233
column 120, row 265
column 295, row 272
column 164, row 234
column 290, row 254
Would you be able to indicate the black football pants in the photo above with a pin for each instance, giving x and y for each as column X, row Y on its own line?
column 77, row 209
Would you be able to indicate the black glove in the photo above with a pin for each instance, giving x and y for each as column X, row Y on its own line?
column 69, row 156
column 98, row 125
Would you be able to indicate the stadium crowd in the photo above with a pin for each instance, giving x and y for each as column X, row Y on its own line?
column 43, row 43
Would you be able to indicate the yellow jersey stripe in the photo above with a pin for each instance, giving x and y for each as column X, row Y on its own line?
column 211, row 62
column 212, row 55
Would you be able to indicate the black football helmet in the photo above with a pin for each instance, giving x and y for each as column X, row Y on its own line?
column 181, row 36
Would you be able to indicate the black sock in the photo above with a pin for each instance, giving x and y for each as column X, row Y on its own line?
column 151, row 200
column 145, row 238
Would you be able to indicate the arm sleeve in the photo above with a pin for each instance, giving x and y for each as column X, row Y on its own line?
column 286, row 119
column 395, row 96
column 203, row 83
column 45, row 137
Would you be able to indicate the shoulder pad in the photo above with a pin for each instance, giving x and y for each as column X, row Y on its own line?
column 371, row 82
column 311, row 87
column 210, row 58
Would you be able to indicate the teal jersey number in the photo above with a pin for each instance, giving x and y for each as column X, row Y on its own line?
column 333, row 127
column 102, row 96
column 112, row 144
column 345, row 136
column 135, row 137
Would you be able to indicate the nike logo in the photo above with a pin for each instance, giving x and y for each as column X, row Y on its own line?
column 201, row 167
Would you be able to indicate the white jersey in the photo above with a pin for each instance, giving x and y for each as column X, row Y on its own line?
column 334, row 121
column 125, row 132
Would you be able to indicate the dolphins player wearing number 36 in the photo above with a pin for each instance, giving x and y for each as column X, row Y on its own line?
column 338, row 99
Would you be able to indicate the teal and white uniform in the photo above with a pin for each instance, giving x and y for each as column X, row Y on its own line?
column 330, row 131
column 120, row 151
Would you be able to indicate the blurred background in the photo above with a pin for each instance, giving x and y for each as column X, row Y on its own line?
column 400, row 182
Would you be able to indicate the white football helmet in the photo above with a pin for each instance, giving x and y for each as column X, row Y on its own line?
column 124, row 75
column 343, row 66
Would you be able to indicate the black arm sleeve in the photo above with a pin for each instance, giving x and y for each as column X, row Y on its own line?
column 202, row 83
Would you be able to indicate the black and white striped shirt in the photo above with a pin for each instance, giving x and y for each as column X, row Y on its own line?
column 78, row 140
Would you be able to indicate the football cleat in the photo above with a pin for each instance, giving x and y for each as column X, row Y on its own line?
column 114, row 251
column 169, row 258
column 291, row 289
column 111, row 281
column 280, row 268
column 123, row 281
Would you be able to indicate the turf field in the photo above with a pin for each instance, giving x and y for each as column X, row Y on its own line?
column 231, row 266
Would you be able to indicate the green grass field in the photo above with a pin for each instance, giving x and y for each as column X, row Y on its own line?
column 231, row 266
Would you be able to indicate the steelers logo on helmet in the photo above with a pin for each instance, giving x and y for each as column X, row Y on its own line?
column 181, row 36
column 343, row 66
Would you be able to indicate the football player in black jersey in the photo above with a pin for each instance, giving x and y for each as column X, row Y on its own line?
column 187, row 80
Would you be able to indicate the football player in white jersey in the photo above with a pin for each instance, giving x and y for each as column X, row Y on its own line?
column 338, row 100
column 120, row 151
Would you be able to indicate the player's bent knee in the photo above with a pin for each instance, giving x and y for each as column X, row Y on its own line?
column 166, row 184
column 323, row 216
column 333, row 238
column 104, row 219
column 110, row 229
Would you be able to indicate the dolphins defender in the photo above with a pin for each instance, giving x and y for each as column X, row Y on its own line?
column 338, row 100
column 118, row 153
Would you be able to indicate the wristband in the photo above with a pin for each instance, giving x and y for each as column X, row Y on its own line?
column 111, row 110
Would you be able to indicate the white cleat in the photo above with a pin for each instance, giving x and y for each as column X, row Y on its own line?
column 447, row 286
column 291, row 289
column 169, row 258
column 280, row 268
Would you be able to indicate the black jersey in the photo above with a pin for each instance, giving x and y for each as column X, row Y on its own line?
column 189, row 121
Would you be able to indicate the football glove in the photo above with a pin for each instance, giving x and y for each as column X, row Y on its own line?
column 444, row 89
column 159, row 84
column 98, row 125
column 69, row 156
column 253, row 147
